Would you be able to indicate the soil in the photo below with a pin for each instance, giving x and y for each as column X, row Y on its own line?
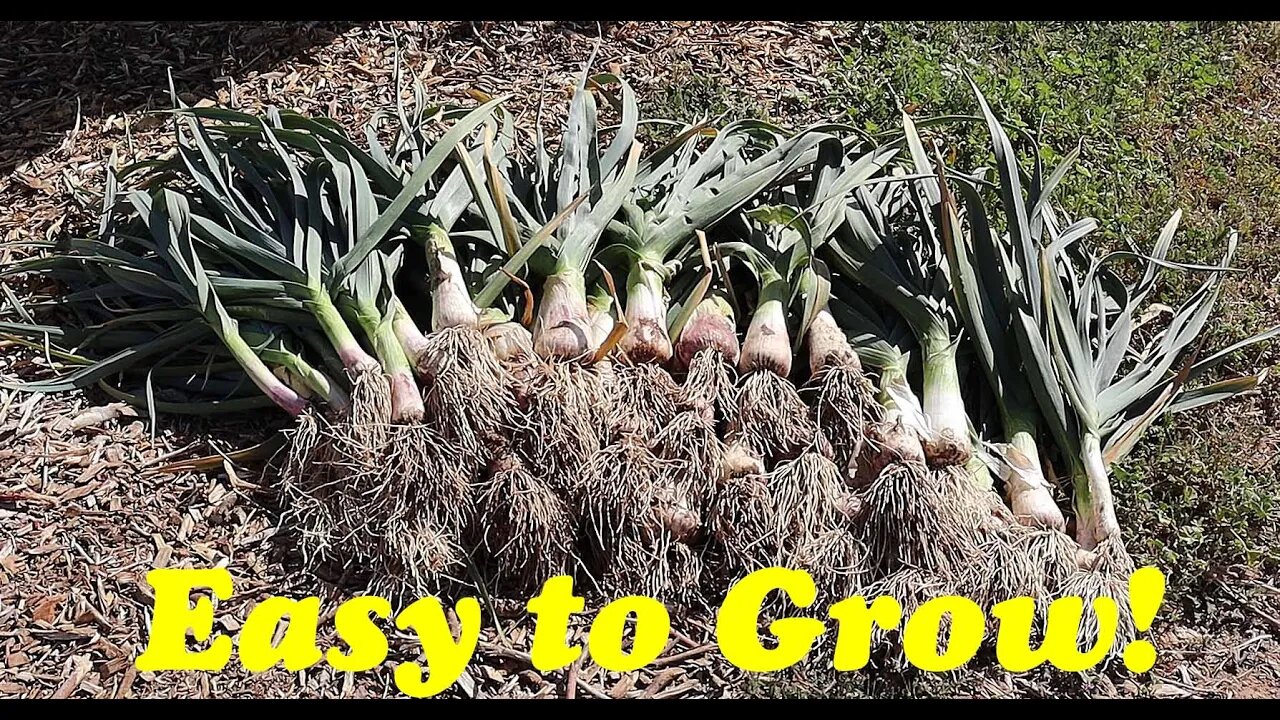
column 86, row 512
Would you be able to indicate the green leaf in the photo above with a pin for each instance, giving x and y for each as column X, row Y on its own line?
column 391, row 215
column 122, row 360
column 1215, row 392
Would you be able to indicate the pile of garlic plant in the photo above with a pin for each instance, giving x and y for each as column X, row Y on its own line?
column 654, row 368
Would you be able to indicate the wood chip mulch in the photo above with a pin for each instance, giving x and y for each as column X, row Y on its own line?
column 84, row 513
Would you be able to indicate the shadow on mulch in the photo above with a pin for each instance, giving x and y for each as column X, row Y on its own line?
column 120, row 67
column 116, row 67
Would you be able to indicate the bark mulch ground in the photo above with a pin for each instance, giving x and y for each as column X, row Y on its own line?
column 85, row 508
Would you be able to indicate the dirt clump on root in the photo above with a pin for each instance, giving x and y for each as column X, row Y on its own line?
column 907, row 521
column 771, row 421
column 567, row 406
column 711, row 386
column 392, row 514
column 844, row 407
column 523, row 530
column 645, row 400
column 694, row 455
column 631, row 518
column 467, row 393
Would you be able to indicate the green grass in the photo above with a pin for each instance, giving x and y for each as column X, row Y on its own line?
column 1167, row 115
column 692, row 95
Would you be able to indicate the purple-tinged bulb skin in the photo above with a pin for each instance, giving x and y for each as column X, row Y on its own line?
column 563, row 327
column 412, row 341
column 264, row 378
column 354, row 358
column 646, row 341
column 406, row 401
column 646, row 314
column 710, row 326
column 451, row 305
column 288, row 400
